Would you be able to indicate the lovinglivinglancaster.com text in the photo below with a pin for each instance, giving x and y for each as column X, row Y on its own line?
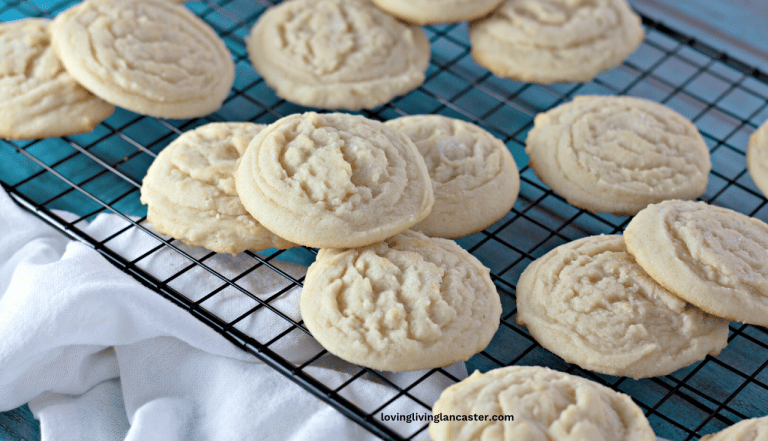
column 441, row 417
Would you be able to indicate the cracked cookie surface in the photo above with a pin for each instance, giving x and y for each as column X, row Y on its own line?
column 40, row 99
column 712, row 257
column 546, row 405
column 190, row 191
column 410, row 302
column 337, row 54
column 152, row 57
column 617, row 154
column 474, row 177
column 334, row 180
column 546, row 41
column 590, row 303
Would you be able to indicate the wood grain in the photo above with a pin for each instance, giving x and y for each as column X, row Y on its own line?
column 736, row 27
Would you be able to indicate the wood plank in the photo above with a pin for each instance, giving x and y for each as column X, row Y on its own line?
column 736, row 27
column 18, row 425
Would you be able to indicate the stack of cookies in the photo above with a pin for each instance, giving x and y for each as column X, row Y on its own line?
column 44, row 101
column 333, row 180
column 655, row 299
column 190, row 191
column 442, row 176
column 379, row 295
column 643, row 304
column 712, row 257
column 152, row 57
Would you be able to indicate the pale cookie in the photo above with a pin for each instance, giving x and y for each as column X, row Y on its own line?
column 410, row 302
column 337, row 54
column 754, row 429
column 425, row 12
column 590, row 303
column 190, row 191
column 618, row 154
column 712, row 257
column 334, row 180
column 152, row 57
column 474, row 177
column 546, row 405
column 547, row 41
column 40, row 99
column 757, row 157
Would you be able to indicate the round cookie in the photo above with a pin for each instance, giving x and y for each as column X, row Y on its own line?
column 551, row 41
column 152, row 57
column 190, row 191
column 617, row 154
column 757, row 157
column 546, row 405
column 590, row 303
column 410, row 302
column 754, row 429
column 426, row 12
column 474, row 177
column 337, row 54
column 40, row 99
column 712, row 257
column 334, row 180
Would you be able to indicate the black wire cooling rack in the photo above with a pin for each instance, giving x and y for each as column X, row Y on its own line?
column 101, row 172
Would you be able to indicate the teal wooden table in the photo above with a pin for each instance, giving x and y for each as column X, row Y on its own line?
column 736, row 27
column 19, row 424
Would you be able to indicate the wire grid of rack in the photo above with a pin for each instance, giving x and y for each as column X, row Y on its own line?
column 101, row 172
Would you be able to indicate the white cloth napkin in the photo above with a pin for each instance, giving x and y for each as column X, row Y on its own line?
column 100, row 357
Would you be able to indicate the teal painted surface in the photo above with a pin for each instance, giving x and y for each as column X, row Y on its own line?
column 736, row 27
column 741, row 19
column 19, row 425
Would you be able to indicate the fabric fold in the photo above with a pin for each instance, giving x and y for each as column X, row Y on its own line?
column 98, row 356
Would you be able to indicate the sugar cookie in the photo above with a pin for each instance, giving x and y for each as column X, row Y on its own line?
column 427, row 12
column 40, row 99
column 754, row 429
column 590, row 303
column 474, row 177
column 410, row 302
column 712, row 257
column 618, row 154
column 152, row 57
column 337, row 54
column 757, row 157
column 190, row 191
column 334, row 180
column 547, row 41
column 546, row 405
